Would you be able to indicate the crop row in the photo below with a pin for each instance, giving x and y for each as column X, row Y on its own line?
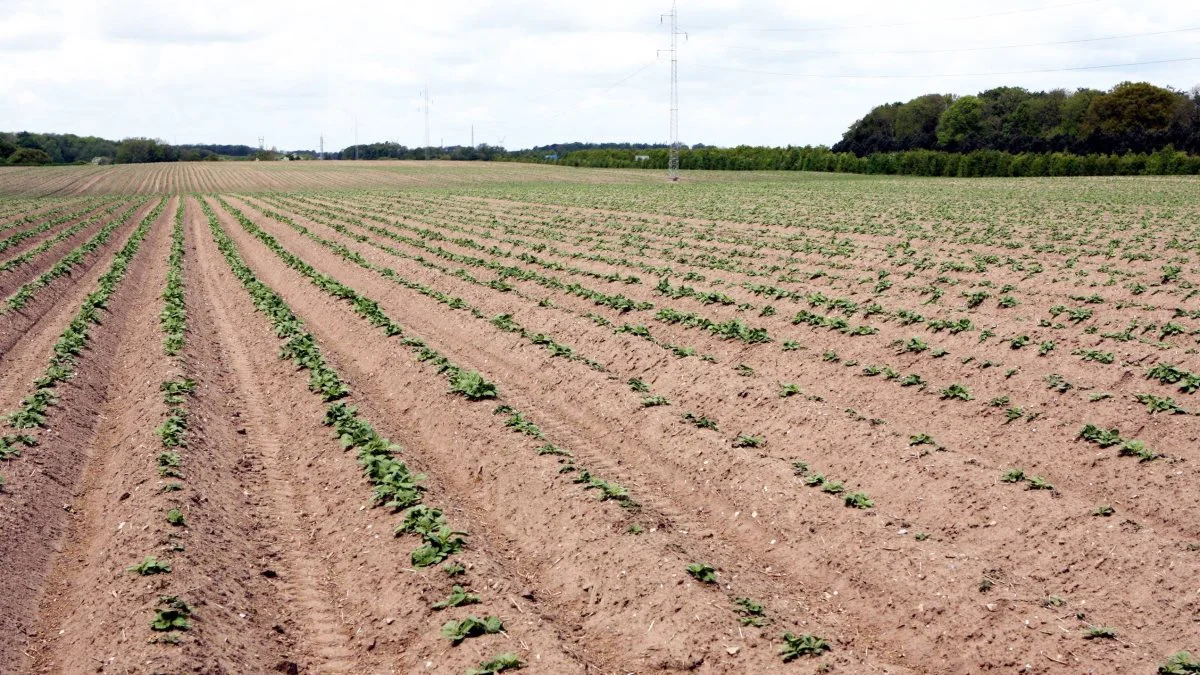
column 72, row 259
column 41, row 248
column 469, row 384
column 172, row 614
column 70, row 345
column 395, row 486
column 520, row 423
column 14, row 239
column 503, row 322
column 979, row 261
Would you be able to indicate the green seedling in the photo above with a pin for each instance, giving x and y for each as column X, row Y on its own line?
column 859, row 500
column 956, row 391
column 458, row 597
column 1180, row 663
column 750, row 613
column 703, row 573
column 499, row 664
column 832, row 487
column 471, row 385
column 1013, row 476
column 700, row 421
column 172, row 614
column 1099, row 633
column 472, row 626
column 551, row 449
column 150, row 565
column 744, row 441
column 803, row 645
column 1039, row 483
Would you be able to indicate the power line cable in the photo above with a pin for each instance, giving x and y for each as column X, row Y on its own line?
column 931, row 75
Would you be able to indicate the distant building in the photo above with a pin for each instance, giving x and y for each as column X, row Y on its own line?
column 552, row 156
column 641, row 158
column 99, row 160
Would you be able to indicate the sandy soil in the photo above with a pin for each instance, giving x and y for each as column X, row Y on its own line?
column 287, row 565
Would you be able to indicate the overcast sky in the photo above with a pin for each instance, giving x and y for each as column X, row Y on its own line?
column 532, row 72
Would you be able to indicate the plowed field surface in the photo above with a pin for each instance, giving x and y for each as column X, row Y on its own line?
column 581, row 422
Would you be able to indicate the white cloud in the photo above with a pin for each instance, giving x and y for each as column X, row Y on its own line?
column 533, row 72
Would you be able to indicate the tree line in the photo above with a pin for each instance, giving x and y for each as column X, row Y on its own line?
column 24, row 147
column 482, row 152
column 1133, row 117
column 1166, row 161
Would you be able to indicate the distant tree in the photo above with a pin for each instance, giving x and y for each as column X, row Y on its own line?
column 29, row 157
column 1131, row 107
column 915, row 123
column 961, row 124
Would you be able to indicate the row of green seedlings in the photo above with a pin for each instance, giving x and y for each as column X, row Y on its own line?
column 35, row 215
column 18, row 237
column 1165, row 331
column 468, row 383
column 41, row 248
column 608, row 490
column 953, row 391
column 503, row 321
column 1156, row 404
column 505, row 272
column 71, row 342
column 72, row 259
column 311, row 210
column 733, row 329
column 753, row 613
column 172, row 615
column 649, row 400
column 395, row 486
column 1167, row 373
column 472, row 626
column 365, row 307
column 935, row 325
column 641, row 331
column 1031, row 482
column 377, row 214
column 856, row 500
column 1128, row 447
column 701, row 421
column 836, row 323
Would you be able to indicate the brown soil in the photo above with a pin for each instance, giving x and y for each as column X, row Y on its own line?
column 289, row 567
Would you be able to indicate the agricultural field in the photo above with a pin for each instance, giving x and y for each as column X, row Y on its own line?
column 393, row 418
